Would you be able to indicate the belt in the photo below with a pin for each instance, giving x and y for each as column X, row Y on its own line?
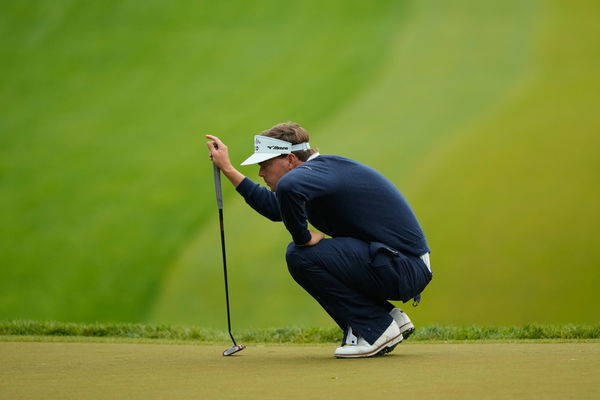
column 425, row 258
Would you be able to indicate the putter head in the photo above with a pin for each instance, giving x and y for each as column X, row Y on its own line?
column 234, row 349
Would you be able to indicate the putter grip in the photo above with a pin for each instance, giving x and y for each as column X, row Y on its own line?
column 218, row 186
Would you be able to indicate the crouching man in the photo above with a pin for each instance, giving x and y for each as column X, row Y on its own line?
column 376, row 252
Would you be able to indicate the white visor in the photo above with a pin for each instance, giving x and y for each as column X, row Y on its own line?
column 266, row 148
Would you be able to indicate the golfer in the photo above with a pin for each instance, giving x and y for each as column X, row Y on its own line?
column 376, row 250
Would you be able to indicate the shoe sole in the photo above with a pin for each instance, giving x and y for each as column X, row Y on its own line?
column 409, row 330
column 381, row 350
column 405, row 335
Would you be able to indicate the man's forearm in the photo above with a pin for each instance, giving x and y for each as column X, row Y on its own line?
column 260, row 199
column 234, row 176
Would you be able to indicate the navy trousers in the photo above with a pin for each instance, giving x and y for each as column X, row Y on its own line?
column 353, row 281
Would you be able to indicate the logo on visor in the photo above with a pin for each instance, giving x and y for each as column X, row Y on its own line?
column 276, row 148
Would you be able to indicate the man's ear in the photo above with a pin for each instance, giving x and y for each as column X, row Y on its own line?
column 293, row 160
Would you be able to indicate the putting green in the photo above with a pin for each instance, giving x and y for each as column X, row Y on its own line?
column 481, row 370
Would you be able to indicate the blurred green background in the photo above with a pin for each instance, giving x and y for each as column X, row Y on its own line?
column 485, row 115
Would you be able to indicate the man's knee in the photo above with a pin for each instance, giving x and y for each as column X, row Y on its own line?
column 297, row 259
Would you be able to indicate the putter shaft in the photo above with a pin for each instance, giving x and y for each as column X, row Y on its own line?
column 225, row 274
column 219, row 193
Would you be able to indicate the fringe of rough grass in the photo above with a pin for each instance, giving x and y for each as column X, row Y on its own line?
column 291, row 334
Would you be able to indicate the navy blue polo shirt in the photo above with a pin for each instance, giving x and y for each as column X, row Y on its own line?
column 341, row 198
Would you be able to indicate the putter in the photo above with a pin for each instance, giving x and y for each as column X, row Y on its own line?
column 236, row 347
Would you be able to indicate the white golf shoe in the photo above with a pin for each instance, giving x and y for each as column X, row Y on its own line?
column 404, row 323
column 390, row 337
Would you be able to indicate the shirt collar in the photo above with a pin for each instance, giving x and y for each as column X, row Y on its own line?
column 313, row 156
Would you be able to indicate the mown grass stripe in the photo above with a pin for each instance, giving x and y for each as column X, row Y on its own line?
column 411, row 105
column 291, row 334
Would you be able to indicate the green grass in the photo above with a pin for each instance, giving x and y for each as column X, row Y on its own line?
column 487, row 112
column 517, row 370
column 104, row 175
column 45, row 330
column 474, row 139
